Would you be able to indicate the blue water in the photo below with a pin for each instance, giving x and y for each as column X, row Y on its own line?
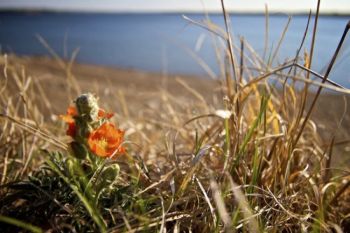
column 160, row 42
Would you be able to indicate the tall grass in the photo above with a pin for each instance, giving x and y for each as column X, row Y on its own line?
column 251, row 162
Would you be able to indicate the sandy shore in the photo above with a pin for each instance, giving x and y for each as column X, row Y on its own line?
column 135, row 85
column 129, row 91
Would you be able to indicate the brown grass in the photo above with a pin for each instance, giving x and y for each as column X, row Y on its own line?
column 234, row 154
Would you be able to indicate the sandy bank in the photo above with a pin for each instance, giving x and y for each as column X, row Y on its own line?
column 129, row 92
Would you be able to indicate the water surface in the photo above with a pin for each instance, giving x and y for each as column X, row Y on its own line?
column 161, row 42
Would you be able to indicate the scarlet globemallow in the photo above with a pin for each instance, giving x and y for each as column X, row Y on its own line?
column 106, row 141
column 91, row 130
column 69, row 119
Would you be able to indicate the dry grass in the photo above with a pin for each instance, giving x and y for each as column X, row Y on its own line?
column 244, row 157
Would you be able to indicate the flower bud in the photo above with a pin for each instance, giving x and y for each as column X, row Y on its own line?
column 87, row 107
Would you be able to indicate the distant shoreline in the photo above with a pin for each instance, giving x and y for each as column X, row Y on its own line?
column 248, row 13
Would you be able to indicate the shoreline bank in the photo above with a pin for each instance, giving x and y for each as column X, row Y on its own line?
column 130, row 91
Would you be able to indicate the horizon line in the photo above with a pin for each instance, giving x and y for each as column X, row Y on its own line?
column 167, row 11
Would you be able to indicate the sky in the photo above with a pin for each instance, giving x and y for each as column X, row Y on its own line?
column 327, row 6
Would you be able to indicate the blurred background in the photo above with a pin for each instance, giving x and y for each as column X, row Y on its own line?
column 153, row 35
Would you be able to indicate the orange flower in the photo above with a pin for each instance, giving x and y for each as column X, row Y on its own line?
column 103, row 114
column 71, row 113
column 106, row 140
column 69, row 119
column 72, row 130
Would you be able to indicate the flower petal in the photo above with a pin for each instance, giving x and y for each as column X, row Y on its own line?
column 106, row 140
column 72, row 129
column 72, row 111
column 103, row 114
